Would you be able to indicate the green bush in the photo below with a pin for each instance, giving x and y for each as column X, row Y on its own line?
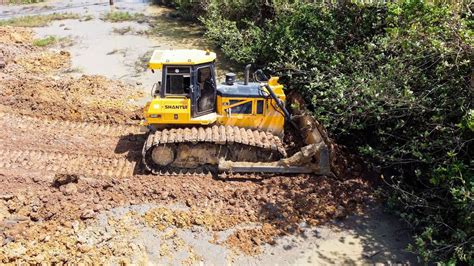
column 239, row 45
column 390, row 81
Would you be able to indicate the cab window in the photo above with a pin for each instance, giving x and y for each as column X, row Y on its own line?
column 260, row 107
column 178, row 80
column 244, row 108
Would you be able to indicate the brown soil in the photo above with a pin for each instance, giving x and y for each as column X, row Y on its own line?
column 15, row 35
column 68, row 152
column 33, row 83
column 44, row 62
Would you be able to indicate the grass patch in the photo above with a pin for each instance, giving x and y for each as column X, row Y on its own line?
column 45, row 41
column 123, row 30
column 87, row 18
column 23, row 2
column 37, row 20
column 52, row 40
column 119, row 16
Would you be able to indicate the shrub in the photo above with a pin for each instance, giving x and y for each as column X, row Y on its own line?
column 392, row 82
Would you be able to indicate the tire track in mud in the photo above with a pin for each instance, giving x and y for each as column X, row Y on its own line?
column 67, row 147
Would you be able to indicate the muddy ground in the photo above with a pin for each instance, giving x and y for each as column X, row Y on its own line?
column 72, row 188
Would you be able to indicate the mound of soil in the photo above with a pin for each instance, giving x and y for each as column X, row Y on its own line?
column 31, row 85
column 15, row 35
column 89, row 98
column 44, row 62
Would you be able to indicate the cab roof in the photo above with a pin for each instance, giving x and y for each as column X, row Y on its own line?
column 180, row 57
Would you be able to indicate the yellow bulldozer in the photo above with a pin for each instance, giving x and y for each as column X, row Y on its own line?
column 195, row 124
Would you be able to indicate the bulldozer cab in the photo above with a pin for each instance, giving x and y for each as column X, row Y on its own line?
column 188, row 95
column 204, row 97
column 187, row 74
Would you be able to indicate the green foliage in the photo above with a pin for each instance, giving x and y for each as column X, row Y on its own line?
column 237, row 10
column 37, row 20
column 45, row 41
column 239, row 45
column 52, row 40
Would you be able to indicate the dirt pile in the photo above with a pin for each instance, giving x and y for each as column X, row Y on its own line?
column 249, row 241
column 89, row 98
column 162, row 218
column 30, row 85
column 44, row 62
column 15, row 35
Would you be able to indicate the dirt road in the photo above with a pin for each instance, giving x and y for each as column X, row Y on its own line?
column 72, row 188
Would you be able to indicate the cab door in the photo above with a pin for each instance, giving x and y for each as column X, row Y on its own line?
column 203, row 100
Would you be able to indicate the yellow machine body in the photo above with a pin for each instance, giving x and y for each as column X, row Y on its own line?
column 264, row 116
column 242, row 105
column 188, row 106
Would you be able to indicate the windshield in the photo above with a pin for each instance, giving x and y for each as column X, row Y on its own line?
column 178, row 80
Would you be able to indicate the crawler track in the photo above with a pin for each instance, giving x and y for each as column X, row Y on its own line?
column 200, row 148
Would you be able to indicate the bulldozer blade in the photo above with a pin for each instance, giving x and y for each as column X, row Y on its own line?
column 243, row 167
column 301, row 162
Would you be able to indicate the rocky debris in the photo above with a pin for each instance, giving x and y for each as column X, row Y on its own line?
column 69, row 189
column 2, row 62
column 249, row 241
column 44, row 62
column 6, row 196
column 15, row 35
column 162, row 218
column 64, row 179
column 340, row 212
column 278, row 204
column 88, row 214
column 4, row 213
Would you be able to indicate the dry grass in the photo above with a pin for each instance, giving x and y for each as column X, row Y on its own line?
column 37, row 20
column 23, row 2
column 119, row 16
column 123, row 30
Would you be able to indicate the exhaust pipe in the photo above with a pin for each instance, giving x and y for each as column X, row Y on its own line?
column 247, row 72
